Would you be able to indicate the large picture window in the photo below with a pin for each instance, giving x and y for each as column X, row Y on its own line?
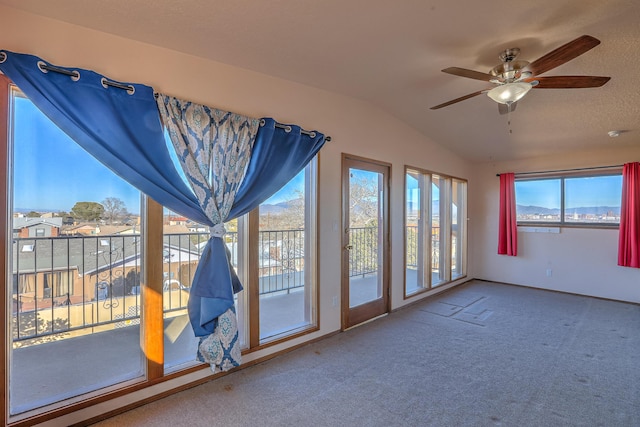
column 75, row 258
column 100, row 271
column 584, row 200
column 435, row 230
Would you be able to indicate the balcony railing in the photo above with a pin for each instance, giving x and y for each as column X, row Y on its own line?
column 64, row 285
column 412, row 247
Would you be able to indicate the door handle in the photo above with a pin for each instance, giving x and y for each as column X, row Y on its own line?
column 348, row 247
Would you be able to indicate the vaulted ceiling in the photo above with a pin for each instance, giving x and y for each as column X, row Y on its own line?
column 391, row 54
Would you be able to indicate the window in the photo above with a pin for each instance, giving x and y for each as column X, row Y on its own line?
column 435, row 230
column 112, row 281
column 584, row 200
column 281, row 272
column 71, row 295
column 286, row 258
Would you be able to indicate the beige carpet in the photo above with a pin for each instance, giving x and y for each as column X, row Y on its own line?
column 484, row 354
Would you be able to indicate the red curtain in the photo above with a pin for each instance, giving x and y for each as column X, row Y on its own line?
column 629, row 239
column 508, row 230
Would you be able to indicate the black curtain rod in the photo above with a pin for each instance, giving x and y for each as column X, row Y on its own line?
column 302, row 131
column 568, row 170
column 76, row 75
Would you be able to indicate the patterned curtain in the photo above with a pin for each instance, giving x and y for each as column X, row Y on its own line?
column 213, row 148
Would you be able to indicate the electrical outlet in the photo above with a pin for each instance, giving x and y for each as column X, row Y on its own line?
column 549, row 272
column 334, row 301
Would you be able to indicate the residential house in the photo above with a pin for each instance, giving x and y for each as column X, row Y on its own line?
column 36, row 227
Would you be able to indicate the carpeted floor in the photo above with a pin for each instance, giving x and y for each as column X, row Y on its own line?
column 483, row 354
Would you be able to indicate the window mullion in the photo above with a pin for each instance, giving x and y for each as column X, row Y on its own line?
column 4, row 237
column 562, row 210
column 152, row 324
column 253, row 266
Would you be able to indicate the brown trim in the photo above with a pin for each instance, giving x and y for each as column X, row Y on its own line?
column 281, row 339
column 600, row 226
column 152, row 316
column 570, row 173
column 440, row 285
column 425, row 171
column 317, row 235
column 253, row 263
column 353, row 316
column 4, row 237
column 445, row 287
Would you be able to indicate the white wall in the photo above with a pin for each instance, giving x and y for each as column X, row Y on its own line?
column 583, row 261
column 356, row 128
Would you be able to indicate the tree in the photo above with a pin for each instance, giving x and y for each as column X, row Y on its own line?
column 363, row 200
column 114, row 210
column 33, row 214
column 87, row 211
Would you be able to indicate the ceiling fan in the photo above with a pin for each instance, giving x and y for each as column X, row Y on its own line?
column 514, row 78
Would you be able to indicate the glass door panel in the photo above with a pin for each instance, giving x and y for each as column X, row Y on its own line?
column 365, row 211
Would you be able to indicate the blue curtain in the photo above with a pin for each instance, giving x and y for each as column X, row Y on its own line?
column 122, row 130
column 277, row 157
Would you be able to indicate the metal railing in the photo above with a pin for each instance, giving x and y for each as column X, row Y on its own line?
column 70, row 283
column 363, row 256
column 412, row 247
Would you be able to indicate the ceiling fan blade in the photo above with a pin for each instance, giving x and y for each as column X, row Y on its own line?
column 463, row 72
column 507, row 108
column 564, row 53
column 569, row 82
column 462, row 98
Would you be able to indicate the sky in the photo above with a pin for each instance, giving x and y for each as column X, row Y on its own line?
column 52, row 173
column 579, row 192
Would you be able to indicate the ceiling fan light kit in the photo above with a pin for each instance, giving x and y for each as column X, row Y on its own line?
column 514, row 78
column 509, row 92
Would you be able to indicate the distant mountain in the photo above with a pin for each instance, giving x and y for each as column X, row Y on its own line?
column 583, row 210
column 40, row 210
column 536, row 210
column 276, row 209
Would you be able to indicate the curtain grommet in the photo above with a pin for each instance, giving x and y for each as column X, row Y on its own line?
column 262, row 122
column 41, row 66
column 3, row 57
column 106, row 83
column 287, row 129
column 312, row 135
column 76, row 76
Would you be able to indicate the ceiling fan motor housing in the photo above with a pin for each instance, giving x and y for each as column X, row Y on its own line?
column 511, row 69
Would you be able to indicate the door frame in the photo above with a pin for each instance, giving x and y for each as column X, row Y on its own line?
column 360, row 314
